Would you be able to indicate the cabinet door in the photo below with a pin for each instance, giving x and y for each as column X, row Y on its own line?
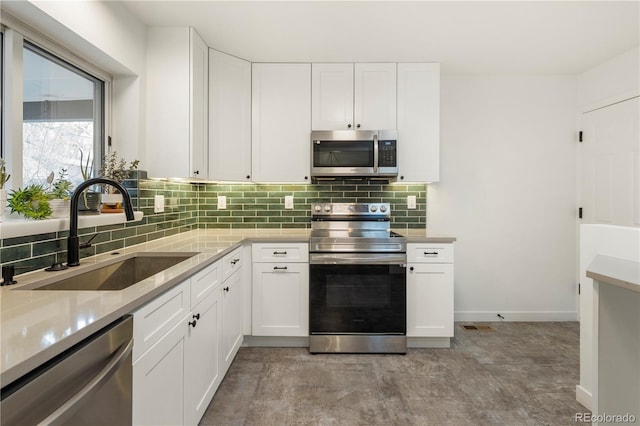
column 332, row 96
column 168, row 102
column 232, row 297
column 158, row 392
column 419, row 122
column 281, row 122
column 280, row 299
column 229, row 117
column 202, row 351
column 198, row 90
column 375, row 96
column 430, row 300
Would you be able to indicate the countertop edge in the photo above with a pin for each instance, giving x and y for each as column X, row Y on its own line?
column 615, row 271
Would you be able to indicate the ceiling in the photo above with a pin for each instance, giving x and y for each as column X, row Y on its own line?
column 504, row 37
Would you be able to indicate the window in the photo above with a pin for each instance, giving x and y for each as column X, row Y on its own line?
column 63, row 117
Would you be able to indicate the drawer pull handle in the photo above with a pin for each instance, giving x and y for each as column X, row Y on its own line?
column 430, row 253
column 234, row 261
column 278, row 253
column 279, row 268
column 193, row 323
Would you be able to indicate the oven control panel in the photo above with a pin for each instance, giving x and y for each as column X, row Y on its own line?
column 353, row 210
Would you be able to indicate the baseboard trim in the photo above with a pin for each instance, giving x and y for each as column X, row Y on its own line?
column 533, row 316
column 584, row 397
column 275, row 342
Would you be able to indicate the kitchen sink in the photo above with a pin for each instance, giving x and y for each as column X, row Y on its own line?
column 116, row 274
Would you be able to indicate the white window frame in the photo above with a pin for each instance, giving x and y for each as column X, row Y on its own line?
column 15, row 33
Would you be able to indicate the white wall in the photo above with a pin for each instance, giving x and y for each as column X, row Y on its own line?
column 106, row 35
column 612, row 81
column 507, row 192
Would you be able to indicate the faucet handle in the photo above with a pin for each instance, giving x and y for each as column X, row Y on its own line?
column 87, row 243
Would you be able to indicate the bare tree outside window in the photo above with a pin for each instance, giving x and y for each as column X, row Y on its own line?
column 62, row 115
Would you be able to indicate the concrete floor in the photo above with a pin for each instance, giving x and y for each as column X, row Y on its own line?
column 519, row 374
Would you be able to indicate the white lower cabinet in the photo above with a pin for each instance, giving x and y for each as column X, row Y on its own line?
column 184, row 351
column 281, row 291
column 202, row 352
column 232, row 298
column 429, row 290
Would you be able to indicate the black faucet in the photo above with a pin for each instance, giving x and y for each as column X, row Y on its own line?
column 73, row 242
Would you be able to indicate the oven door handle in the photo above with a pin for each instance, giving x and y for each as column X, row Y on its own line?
column 399, row 259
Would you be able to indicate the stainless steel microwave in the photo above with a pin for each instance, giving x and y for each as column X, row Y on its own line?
column 346, row 154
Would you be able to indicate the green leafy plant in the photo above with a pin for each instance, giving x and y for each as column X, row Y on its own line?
column 31, row 202
column 4, row 176
column 115, row 168
column 60, row 188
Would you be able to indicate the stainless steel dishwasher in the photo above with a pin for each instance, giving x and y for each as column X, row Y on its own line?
column 89, row 384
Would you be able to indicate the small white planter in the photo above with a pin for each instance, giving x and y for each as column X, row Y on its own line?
column 60, row 208
column 112, row 203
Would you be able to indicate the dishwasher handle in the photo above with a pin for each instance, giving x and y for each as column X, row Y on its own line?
column 67, row 409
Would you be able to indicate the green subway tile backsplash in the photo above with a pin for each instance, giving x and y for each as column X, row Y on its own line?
column 194, row 206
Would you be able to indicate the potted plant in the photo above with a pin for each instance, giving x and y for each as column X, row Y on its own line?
column 31, row 202
column 4, row 178
column 59, row 193
column 89, row 203
column 115, row 168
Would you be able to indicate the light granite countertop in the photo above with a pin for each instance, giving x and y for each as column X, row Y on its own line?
column 37, row 325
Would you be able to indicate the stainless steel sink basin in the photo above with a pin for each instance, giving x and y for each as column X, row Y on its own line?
column 117, row 274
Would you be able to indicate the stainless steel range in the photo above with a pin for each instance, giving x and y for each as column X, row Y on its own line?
column 357, row 286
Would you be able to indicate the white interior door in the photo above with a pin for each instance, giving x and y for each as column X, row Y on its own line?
column 609, row 161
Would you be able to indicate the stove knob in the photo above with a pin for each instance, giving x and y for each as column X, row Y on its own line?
column 317, row 208
column 327, row 208
column 373, row 208
column 383, row 208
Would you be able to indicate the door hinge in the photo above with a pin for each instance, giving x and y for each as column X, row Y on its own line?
column 578, row 288
column 580, row 136
column 579, row 212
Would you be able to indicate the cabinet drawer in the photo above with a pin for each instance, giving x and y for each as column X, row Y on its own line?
column 156, row 318
column 288, row 252
column 205, row 281
column 231, row 263
column 430, row 253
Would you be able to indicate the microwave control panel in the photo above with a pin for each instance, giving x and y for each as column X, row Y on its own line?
column 387, row 153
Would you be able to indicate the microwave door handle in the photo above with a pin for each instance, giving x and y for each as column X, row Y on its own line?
column 375, row 154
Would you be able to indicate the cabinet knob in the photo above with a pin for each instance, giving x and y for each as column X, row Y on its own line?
column 248, row 176
column 411, row 268
column 196, row 316
column 226, row 289
column 401, row 177
column 193, row 323
column 349, row 125
column 306, row 178
column 358, row 126
column 196, row 172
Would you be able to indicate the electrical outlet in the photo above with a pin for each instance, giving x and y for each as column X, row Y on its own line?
column 222, row 202
column 411, row 201
column 158, row 204
column 288, row 202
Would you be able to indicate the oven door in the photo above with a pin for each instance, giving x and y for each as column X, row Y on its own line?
column 357, row 293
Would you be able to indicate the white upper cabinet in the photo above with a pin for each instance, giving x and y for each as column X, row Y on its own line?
column 375, row 96
column 419, row 122
column 177, row 117
column 229, row 117
column 281, row 122
column 348, row 96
